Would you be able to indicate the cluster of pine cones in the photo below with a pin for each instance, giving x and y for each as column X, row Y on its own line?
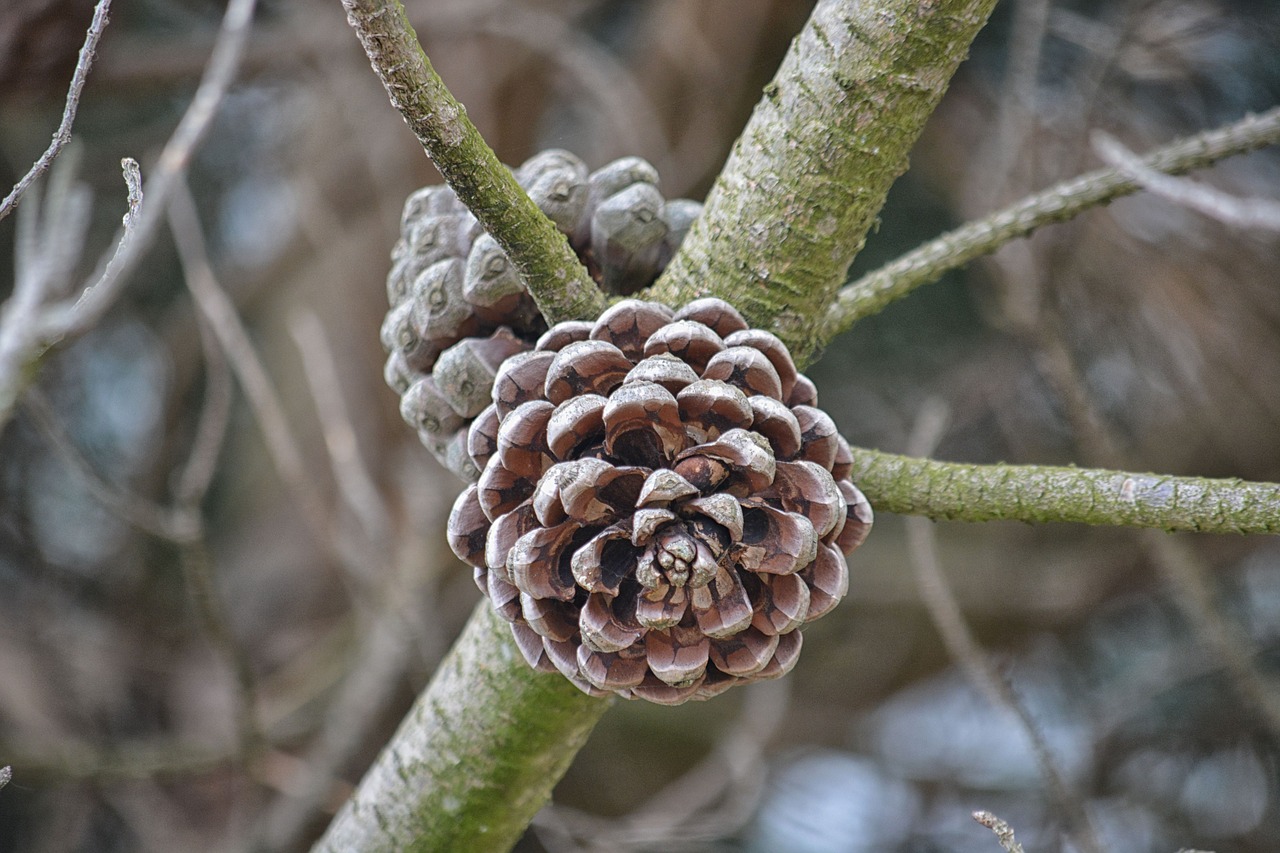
column 659, row 504
column 458, row 307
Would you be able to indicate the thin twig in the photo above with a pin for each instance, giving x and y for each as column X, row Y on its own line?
column 198, row 575
column 129, row 761
column 871, row 293
column 963, row 647
column 211, row 429
column 1242, row 212
column 169, row 171
column 1002, row 830
column 31, row 326
column 62, row 135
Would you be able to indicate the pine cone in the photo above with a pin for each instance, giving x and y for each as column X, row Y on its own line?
column 451, row 286
column 660, row 506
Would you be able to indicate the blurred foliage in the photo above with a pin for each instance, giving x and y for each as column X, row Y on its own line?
column 118, row 712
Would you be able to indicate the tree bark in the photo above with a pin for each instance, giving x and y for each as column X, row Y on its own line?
column 1043, row 493
column 810, row 172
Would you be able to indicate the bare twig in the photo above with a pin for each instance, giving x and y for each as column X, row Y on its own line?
column 62, row 135
column 32, row 324
column 147, row 760
column 1242, row 212
column 871, row 293
column 169, row 171
column 1004, row 832
column 211, row 429
column 963, row 647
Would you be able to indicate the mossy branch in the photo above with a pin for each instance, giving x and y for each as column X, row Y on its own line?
column 811, row 170
column 552, row 272
column 476, row 757
column 1041, row 493
column 928, row 263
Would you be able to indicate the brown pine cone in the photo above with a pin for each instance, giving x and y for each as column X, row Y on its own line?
column 660, row 506
column 451, row 286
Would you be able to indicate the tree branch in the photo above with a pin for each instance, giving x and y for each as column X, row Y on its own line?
column 1224, row 207
column 475, row 758
column 1042, row 493
column 62, row 135
column 552, row 272
column 811, row 170
column 37, row 317
column 926, row 264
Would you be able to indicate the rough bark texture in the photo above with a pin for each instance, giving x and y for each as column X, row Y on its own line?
column 552, row 272
column 476, row 757
column 811, row 170
column 1040, row 493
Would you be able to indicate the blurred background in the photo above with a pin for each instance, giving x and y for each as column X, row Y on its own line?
column 223, row 576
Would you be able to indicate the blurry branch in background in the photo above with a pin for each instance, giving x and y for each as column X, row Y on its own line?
column 181, row 524
column 6, row 773
column 384, row 651
column 43, row 311
column 963, row 647
column 355, row 484
column 1188, row 578
column 926, row 264
column 1231, row 210
column 961, row 491
column 171, row 523
column 148, row 760
column 555, row 277
column 219, row 311
column 712, row 800
column 62, row 135
column 1002, row 830
column 1178, row 563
